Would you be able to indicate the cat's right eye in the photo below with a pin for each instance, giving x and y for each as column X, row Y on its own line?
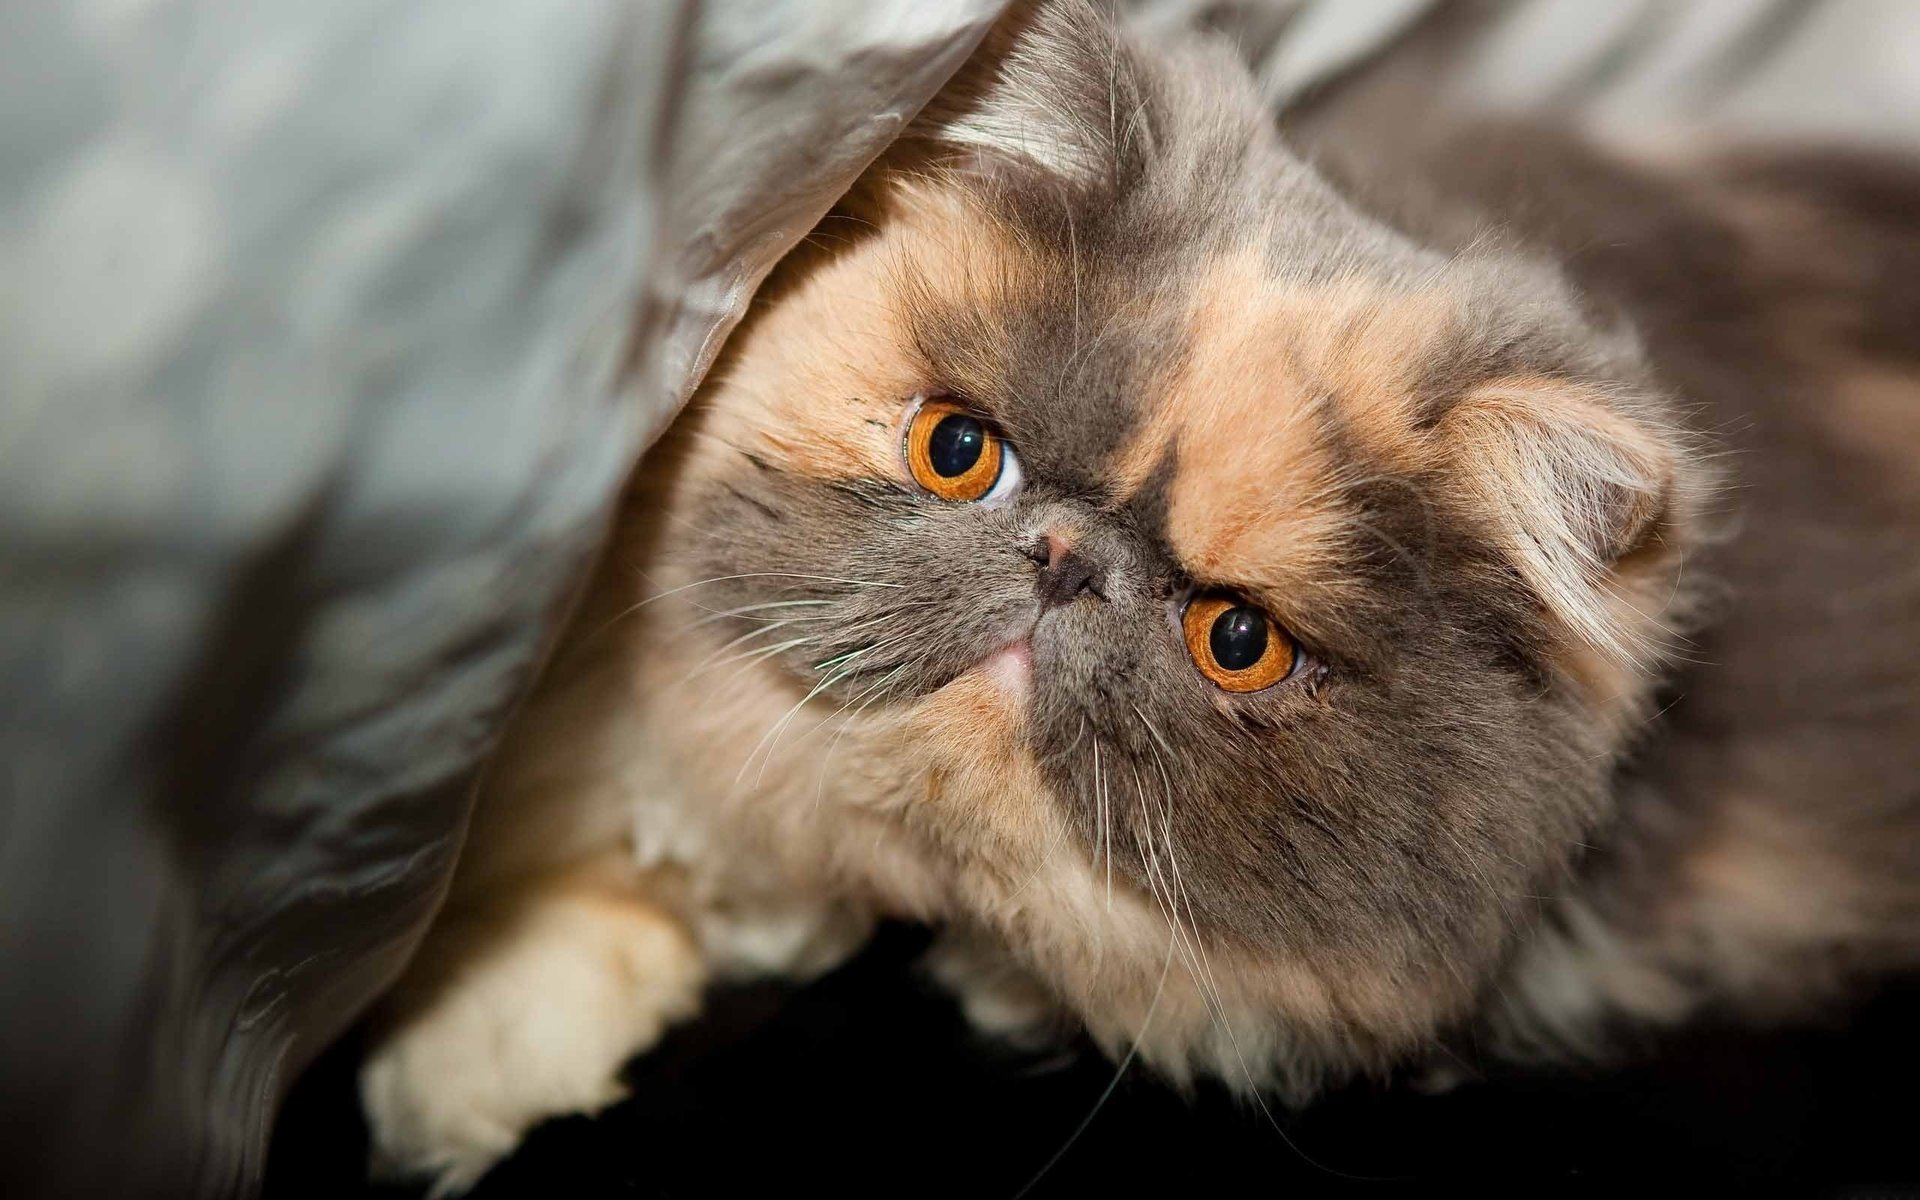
column 1237, row 646
column 958, row 456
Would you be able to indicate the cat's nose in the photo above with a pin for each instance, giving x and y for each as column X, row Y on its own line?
column 1064, row 571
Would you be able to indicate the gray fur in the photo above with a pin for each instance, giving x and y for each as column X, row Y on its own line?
column 1407, row 800
column 1397, row 799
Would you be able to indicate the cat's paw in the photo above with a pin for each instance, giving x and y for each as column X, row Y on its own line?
column 1439, row 1077
column 515, row 1020
column 998, row 997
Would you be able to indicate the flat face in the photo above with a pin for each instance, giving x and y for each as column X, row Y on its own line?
column 1192, row 514
column 1191, row 432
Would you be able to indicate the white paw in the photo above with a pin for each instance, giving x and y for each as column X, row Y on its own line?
column 998, row 997
column 518, row 1019
column 1439, row 1077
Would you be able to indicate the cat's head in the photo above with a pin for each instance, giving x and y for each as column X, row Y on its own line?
column 1156, row 514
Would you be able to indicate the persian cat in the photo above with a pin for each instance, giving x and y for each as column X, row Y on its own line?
column 1277, row 619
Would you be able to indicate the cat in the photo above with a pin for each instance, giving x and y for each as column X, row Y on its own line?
column 1280, row 620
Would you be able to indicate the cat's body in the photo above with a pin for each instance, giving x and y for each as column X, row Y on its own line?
column 1581, row 722
column 1766, row 855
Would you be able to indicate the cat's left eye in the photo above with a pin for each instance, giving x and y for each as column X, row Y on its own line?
column 958, row 456
column 1236, row 645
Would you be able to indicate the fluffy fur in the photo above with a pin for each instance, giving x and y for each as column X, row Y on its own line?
column 803, row 695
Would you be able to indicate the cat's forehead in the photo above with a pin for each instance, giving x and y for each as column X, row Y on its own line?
column 1208, row 382
column 1291, row 394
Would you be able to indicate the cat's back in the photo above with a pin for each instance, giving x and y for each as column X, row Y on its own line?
column 1778, row 294
column 1772, row 841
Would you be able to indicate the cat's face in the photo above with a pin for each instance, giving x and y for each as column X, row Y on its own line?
column 1295, row 573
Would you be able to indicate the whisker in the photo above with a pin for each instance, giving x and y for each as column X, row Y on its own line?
column 888, row 678
column 631, row 609
column 1210, row 984
column 751, row 608
column 770, row 741
column 1105, row 835
column 766, row 575
column 708, row 664
column 1053, row 847
column 826, row 761
column 1119, row 1073
column 1176, row 888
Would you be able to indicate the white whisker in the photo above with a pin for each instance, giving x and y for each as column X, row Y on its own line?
column 1119, row 1073
column 709, row 664
column 1205, row 977
column 713, row 615
column 770, row 741
column 826, row 760
column 631, row 609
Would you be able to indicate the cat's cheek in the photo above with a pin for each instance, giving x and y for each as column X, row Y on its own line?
column 981, row 786
column 972, row 722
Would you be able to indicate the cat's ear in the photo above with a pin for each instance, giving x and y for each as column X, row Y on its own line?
column 1056, row 87
column 1573, row 484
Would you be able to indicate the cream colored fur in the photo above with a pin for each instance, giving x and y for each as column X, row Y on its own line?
column 736, row 828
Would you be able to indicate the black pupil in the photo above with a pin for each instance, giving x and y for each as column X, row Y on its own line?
column 1238, row 639
column 955, row 445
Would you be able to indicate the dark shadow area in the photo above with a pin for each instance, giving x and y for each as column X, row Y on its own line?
column 867, row 1083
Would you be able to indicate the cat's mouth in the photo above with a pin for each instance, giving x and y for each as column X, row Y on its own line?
column 1010, row 665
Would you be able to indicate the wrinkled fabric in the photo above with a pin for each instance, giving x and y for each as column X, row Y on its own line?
column 328, row 334
column 1627, row 71
column 319, row 374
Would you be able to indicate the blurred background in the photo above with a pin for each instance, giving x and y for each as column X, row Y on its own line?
column 328, row 333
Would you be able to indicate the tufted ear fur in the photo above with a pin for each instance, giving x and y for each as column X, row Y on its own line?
column 1572, row 485
column 1054, row 86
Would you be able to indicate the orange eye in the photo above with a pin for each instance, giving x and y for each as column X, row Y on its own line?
column 1236, row 645
column 952, row 453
